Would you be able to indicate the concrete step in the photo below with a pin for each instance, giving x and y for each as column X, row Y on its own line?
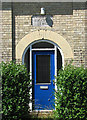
column 42, row 114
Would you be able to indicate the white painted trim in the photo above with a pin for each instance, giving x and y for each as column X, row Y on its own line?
column 55, row 65
column 30, row 46
column 30, row 62
column 41, row 49
column 30, row 104
column 42, row 110
column 55, row 70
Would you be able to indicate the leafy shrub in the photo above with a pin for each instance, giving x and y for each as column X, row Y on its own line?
column 15, row 91
column 71, row 96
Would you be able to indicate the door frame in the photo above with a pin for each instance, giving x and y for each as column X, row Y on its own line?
column 49, row 84
column 40, row 49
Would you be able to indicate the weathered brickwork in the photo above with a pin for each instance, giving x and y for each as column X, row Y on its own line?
column 6, row 32
column 69, row 20
column 0, row 33
column 79, row 36
column 86, row 40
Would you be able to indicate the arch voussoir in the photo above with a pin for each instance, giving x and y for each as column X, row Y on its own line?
column 44, row 34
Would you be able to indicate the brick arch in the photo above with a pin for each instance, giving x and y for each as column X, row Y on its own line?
column 46, row 34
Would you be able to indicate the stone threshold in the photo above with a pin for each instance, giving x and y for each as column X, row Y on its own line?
column 42, row 114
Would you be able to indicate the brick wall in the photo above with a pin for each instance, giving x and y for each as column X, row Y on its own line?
column 0, row 32
column 69, row 20
column 6, row 32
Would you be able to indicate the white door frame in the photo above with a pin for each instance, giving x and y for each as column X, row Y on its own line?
column 55, row 49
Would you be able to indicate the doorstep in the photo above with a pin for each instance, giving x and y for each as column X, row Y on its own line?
column 42, row 114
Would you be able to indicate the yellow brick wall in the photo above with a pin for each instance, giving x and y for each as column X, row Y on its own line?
column 69, row 21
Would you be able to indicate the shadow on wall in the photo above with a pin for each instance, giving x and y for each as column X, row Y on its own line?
column 52, row 8
column 49, row 21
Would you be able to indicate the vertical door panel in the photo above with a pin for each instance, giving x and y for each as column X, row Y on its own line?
column 43, row 75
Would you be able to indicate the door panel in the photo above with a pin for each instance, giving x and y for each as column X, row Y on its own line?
column 42, row 68
column 43, row 75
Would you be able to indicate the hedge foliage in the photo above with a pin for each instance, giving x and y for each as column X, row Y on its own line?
column 15, row 91
column 71, row 96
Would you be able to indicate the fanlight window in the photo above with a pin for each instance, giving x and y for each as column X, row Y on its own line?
column 41, row 46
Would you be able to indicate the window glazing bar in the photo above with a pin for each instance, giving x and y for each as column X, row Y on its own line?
column 43, row 49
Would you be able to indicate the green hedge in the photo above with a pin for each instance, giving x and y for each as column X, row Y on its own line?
column 71, row 96
column 15, row 91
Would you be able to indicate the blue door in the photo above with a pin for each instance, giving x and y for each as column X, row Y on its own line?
column 43, row 75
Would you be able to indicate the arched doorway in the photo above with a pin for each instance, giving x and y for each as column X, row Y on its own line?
column 43, row 58
column 61, row 48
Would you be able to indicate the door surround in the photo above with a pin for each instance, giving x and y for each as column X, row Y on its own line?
column 43, row 85
column 46, row 36
column 38, row 49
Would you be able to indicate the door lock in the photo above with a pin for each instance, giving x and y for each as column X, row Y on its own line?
column 53, row 82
